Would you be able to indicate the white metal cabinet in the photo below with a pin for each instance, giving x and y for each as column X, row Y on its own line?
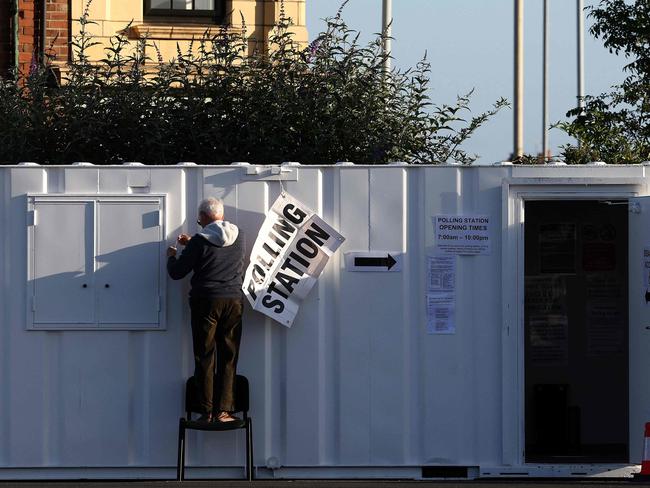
column 95, row 262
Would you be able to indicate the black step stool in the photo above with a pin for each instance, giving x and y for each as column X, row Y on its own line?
column 241, row 405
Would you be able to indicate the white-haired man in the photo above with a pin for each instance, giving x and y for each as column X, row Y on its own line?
column 215, row 255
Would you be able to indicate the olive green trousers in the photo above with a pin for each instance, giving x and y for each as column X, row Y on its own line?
column 216, row 335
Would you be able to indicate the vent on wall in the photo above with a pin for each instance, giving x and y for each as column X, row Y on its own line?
column 445, row 472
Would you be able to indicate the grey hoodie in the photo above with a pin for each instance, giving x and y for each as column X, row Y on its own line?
column 220, row 233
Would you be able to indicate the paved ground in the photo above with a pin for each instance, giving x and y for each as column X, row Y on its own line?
column 492, row 483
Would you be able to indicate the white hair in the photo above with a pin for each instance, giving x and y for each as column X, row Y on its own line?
column 212, row 208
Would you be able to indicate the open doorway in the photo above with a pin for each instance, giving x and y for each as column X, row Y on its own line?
column 576, row 332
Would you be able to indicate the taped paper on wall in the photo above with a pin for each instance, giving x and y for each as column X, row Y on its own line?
column 557, row 248
column 545, row 294
column 605, row 328
column 606, row 315
column 549, row 340
column 598, row 247
column 441, row 313
column 441, row 273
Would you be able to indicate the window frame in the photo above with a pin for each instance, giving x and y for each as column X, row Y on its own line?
column 178, row 15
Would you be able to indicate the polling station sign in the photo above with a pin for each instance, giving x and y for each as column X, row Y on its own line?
column 463, row 234
column 290, row 252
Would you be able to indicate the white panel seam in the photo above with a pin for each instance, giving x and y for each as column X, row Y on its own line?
column 369, row 210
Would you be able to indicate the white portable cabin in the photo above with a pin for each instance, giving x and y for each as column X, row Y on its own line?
column 535, row 365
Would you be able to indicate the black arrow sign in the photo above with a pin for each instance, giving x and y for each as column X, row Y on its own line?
column 379, row 262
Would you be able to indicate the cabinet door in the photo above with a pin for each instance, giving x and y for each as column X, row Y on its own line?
column 128, row 263
column 61, row 274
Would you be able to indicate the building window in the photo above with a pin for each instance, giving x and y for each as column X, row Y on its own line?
column 184, row 9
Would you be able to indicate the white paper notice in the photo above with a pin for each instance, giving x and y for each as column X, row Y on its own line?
column 441, row 313
column 605, row 318
column 605, row 329
column 549, row 340
column 441, row 272
column 462, row 234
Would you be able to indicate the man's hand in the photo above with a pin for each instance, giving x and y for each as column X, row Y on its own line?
column 183, row 239
column 171, row 251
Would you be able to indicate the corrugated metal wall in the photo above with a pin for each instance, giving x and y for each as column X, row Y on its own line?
column 356, row 382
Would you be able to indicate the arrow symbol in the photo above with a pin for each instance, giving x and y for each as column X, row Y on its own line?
column 379, row 262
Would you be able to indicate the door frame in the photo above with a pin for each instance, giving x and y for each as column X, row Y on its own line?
column 515, row 192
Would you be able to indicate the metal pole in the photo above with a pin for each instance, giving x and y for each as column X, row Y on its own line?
column 15, row 38
column 519, row 80
column 545, row 84
column 386, row 29
column 581, row 53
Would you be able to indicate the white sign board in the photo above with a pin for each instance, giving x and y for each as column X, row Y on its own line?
column 463, row 234
column 290, row 252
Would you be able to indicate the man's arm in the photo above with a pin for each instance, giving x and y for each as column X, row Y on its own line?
column 178, row 268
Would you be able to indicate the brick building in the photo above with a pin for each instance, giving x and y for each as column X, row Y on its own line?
column 32, row 29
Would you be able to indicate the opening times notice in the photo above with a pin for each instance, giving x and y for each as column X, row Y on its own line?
column 463, row 234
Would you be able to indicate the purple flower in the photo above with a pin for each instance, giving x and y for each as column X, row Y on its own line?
column 33, row 65
column 312, row 49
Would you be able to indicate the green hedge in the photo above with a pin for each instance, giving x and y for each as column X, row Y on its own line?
column 216, row 103
column 615, row 126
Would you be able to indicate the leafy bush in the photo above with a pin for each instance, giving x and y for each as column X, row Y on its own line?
column 615, row 127
column 218, row 103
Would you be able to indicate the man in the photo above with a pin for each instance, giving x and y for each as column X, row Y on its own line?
column 216, row 257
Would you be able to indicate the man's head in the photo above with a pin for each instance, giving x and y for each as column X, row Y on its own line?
column 210, row 210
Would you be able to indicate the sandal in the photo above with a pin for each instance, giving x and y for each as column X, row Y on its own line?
column 225, row 417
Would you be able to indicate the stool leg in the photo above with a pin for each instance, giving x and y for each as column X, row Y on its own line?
column 249, row 450
column 180, row 465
